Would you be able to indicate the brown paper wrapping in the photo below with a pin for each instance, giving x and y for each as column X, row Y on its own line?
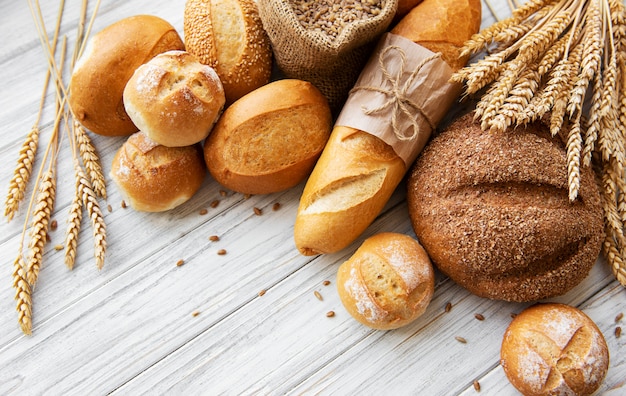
column 401, row 95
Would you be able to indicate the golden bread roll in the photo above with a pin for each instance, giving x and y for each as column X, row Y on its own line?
column 442, row 26
column 109, row 60
column 493, row 213
column 174, row 99
column 388, row 282
column 358, row 172
column 269, row 140
column 554, row 349
column 228, row 35
column 156, row 178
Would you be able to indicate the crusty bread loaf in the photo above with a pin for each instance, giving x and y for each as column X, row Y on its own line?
column 174, row 99
column 269, row 140
column 404, row 7
column 493, row 213
column 156, row 178
column 109, row 60
column 349, row 186
column 554, row 349
column 442, row 26
column 228, row 35
column 358, row 172
column 388, row 282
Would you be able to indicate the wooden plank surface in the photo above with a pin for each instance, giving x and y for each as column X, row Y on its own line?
column 143, row 325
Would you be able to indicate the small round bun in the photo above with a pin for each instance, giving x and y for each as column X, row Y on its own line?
column 109, row 60
column 174, row 99
column 388, row 282
column 228, row 35
column 156, row 178
column 554, row 349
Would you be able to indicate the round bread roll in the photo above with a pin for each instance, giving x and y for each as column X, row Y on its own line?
column 228, row 35
column 404, row 6
column 108, row 62
column 554, row 349
column 269, row 140
column 388, row 282
column 174, row 99
column 493, row 213
column 156, row 178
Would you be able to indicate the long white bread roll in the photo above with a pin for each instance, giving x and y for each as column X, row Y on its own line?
column 357, row 172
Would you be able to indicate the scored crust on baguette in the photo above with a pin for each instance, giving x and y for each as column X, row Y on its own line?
column 345, row 191
column 228, row 35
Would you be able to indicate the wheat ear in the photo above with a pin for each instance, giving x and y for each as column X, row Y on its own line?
column 74, row 222
column 22, row 173
column 24, row 306
column 90, row 202
column 90, row 160
column 40, row 222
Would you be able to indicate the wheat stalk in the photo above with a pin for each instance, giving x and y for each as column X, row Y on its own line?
column 90, row 202
column 90, row 160
column 39, row 229
column 24, row 306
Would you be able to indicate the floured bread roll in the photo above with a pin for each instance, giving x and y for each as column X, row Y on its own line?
column 388, row 282
column 174, row 99
column 554, row 349
column 155, row 178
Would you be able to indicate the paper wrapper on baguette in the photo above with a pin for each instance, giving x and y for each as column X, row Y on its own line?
column 400, row 97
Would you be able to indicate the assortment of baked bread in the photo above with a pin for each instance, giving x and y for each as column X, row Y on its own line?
column 490, row 211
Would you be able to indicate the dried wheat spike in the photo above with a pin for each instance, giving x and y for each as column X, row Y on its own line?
column 502, row 88
column 538, row 41
column 614, row 257
column 90, row 160
column 482, row 73
column 74, row 223
column 479, row 41
column 560, row 102
column 24, row 306
column 518, row 102
column 530, row 7
column 90, row 201
column 39, row 229
column 591, row 58
column 22, row 173
column 593, row 123
column 574, row 148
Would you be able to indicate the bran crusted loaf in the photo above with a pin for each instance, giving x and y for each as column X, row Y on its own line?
column 492, row 211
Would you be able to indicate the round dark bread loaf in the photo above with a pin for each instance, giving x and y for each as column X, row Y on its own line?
column 493, row 213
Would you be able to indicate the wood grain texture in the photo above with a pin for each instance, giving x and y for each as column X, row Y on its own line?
column 143, row 325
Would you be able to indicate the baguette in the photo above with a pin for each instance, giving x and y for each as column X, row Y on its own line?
column 357, row 172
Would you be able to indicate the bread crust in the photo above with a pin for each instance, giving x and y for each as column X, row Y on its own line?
column 342, row 169
column 108, row 62
column 228, row 35
column 551, row 349
column 269, row 140
column 174, row 99
column 493, row 212
column 388, row 282
column 156, row 178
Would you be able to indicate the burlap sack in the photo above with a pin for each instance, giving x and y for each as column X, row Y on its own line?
column 332, row 64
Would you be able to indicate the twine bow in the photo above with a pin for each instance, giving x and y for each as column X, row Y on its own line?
column 398, row 99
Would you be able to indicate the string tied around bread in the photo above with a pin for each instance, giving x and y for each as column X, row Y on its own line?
column 398, row 100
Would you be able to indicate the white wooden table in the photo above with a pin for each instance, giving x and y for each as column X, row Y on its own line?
column 142, row 324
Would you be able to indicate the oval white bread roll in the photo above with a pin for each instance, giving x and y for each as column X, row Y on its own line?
column 554, row 349
column 174, row 99
column 228, row 35
column 269, row 140
column 109, row 60
column 156, row 178
column 388, row 282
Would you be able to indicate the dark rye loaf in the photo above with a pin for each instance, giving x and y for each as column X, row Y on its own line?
column 492, row 211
